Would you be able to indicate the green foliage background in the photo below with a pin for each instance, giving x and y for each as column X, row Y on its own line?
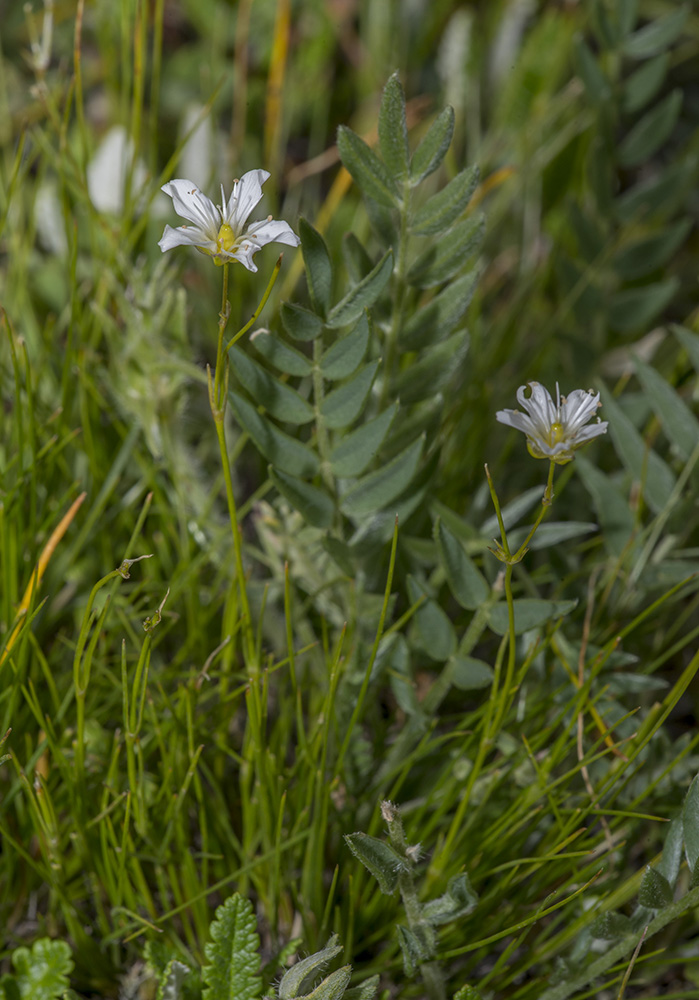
column 144, row 780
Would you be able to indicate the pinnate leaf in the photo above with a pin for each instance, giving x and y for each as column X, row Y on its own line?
column 433, row 148
column 314, row 504
column 393, row 129
column 343, row 357
column 343, row 405
column 319, row 272
column 378, row 489
column 444, row 208
column 362, row 295
column 354, row 453
column 369, row 173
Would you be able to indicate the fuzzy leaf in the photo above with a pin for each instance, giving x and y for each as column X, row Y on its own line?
column 366, row 168
column 365, row 991
column 445, row 257
column 465, row 580
column 437, row 319
column 282, row 450
column 669, row 864
column 347, row 353
column 300, row 323
column 457, row 901
column 378, row 489
column 42, row 972
column 656, row 36
column 393, row 128
column 652, row 132
column 344, row 404
column 636, row 308
column 283, row 357
column 233, row 953
column 433, row 148
column 300, row 977
column 530, row 612
column 444, row 208
column 319, row 271
column 690, row 824
column 279, row 399
column 437, row 634
column 355, row 451
column 332, row 988
column 648, row 254
column 613, row 511
column 379, row 858
column 642, row 86
column 363, row 295
column 311, row 502
column 610, row 926
column 357, row 260
column 432, row 372
column 470, row 674
column 655, row 891
column 596, row 83
column 170, row 987
column 643, row 463
column 679, row 423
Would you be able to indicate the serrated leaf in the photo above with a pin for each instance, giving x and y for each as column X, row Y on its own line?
column 612, row 507
column 357, row 260
column 378, row 489
column 437, row 319
column 343, row 405
column 656, row 36
column 646, row 255
column 369, row 173
column 690, row 824
column 355, row 451
column 314, row 504
column 655, row 891
column 393, row 128
column 432, row 372
column 365, row 991
column 444, row 207
column 279, row 399
column 300, row 323
column 642, row 462
column 347, row 353
column 642, row 86
column 301, row 976
column 636, row 308
column 530, row 612
column 447, row 256
column 378, row 858
column 319, row 271
column 42, row 972
column 282, row 450
column 669, row 864
column 470, row 674
column 283, row 357
column 596, row 83
column 437, row 635
column 466, row 582
column 651, row 132
column 679, row 423
column 363, row 295
column 433, row 148
column 170, row 987
column 690, row 342
column 233, row 953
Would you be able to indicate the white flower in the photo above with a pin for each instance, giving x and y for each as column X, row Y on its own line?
column 218, row 231
column 554, row 431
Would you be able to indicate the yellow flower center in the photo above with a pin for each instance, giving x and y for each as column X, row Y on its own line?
column 556, row 434
column 225, row 238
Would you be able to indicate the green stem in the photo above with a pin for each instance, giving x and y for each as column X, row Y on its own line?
column 400, row 292
column 321, row 429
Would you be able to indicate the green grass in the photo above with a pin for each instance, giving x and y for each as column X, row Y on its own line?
column 262, row 716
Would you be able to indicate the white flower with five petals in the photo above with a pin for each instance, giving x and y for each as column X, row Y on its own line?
column 219, row 231
column 554, row 431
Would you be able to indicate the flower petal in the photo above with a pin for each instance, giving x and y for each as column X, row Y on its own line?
column 191, row 204
column 272, row 231
column 185, row 236
column 247, row 192
column 539, row 405
column 578, row 408
column 513, row 418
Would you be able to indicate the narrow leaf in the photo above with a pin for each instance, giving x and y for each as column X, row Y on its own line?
column 433, row 148
column 444, row 208
column 656, row 36
column 393, row 128
column 465, row 580
column 332, row 988
column 437, row 319
column 357, row 260
column 363, row 295
column 651, row 132
column 365, row 991
column 314, row 505
column 319, row 272
column 690, row 824
column 283, row 357
column 530, row 612
column 679, row 423
column 347, row 353
column 645, row 256
column 596, row 83
column 379, row 858
column 669, row 864
column 642, row 86
column 300, row 323
column 444, row 258
column 366, row 168
column 612, row 507
column 355, row 451
column 436, row 632
column 282, row 450
column 233, row 953
column 636, row 308
column 299, row 979
column 344, row 404
column 279, row 399
column 433, row 371
column 690, row 342
column 378, row 489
